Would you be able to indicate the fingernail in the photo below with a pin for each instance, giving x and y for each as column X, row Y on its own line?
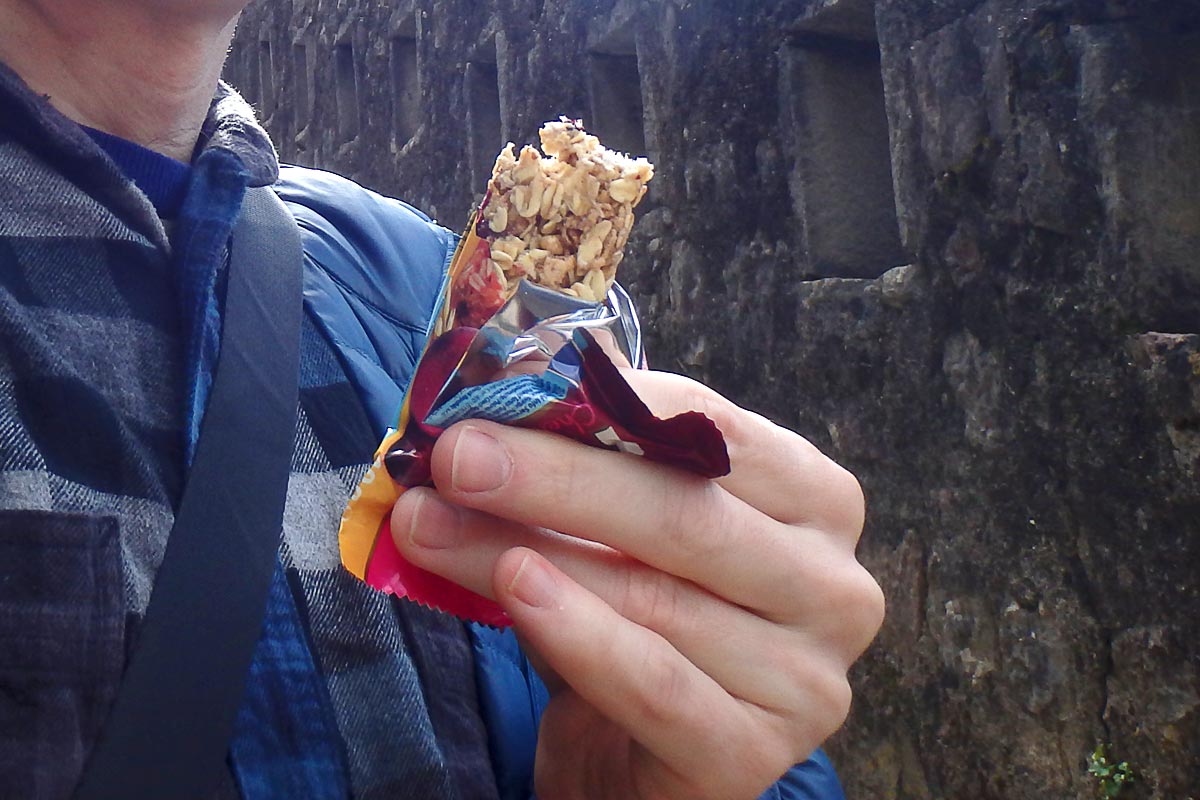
column 480, row 463
column 533, row 584
column 434, row 525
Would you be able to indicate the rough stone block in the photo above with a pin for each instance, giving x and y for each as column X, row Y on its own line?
column 1028, row 451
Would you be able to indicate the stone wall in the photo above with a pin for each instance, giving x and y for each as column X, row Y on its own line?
column 956, row 243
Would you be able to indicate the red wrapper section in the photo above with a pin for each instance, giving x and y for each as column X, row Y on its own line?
column 600, row 410
column 479, row 329
column 388, row 571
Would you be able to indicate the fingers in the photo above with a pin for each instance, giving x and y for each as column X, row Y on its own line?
column 576, row 742
column 712, row 621
column 681, row 524
column 464, row 546
column 773, row 469
column 635, row 678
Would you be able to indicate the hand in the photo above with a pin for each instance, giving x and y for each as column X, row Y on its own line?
column 695, row 634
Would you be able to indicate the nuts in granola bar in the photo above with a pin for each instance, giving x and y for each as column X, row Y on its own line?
column 562, row 219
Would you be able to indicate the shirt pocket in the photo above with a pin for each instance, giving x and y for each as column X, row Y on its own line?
column 62, row 651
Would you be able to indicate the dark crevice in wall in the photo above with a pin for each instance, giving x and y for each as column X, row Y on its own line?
column 615, row 90
column 406, row 86
column 483, row 113
column 248, row 77
column 301, row 86
column 346, row 92
column 842, row 185
column 266, row 80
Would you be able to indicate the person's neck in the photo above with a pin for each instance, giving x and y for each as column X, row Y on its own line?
column 134, row 69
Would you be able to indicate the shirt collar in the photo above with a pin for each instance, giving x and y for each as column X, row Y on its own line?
column 231, row 126
column 30, row 119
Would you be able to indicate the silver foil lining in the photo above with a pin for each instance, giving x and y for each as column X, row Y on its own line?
column 540, row 320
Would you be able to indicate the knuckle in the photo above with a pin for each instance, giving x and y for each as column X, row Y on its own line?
column 838, row 698
column 694, row 519
column 856, row 501
column 827, row 697
column 778, row 756
column 765, row 751
column 574, row 479
column 818, row 703
column 832, row 698
column 857, row 606
column 873, row 603
column 846, row 494
column 654, row 600
column 660, row 698
column 673, row 516
column 796, row 672
column 690, row 395
column 724, row 414
column 862, row 607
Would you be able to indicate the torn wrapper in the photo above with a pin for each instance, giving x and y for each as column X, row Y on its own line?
column 506, row 349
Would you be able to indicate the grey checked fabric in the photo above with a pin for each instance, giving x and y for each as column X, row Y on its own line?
column 91, row 450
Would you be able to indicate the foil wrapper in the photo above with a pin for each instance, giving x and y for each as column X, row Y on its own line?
column 541, row 359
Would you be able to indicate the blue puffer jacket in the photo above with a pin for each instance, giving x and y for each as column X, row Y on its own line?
column 373, row 267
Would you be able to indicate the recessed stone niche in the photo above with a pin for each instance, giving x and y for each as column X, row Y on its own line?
column 483, row 112
column 833, row 106
column 406, row 82
column 346, row 91
column 615, row 90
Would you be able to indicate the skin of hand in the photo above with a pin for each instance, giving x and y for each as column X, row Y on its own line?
column 695, row 634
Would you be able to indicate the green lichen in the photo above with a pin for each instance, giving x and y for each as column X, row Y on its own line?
column 1111, row 779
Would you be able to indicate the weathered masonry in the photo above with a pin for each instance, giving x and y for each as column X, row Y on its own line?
column 369, row 93
column 952, row 242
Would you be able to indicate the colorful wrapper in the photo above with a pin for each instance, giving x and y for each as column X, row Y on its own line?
column 464, row 373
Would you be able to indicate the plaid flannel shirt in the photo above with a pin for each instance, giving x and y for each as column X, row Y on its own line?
column 95, row 393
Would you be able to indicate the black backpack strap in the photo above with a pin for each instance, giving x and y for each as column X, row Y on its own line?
column 168, row 733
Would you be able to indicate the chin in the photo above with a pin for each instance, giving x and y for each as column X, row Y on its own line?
column 221, row 9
